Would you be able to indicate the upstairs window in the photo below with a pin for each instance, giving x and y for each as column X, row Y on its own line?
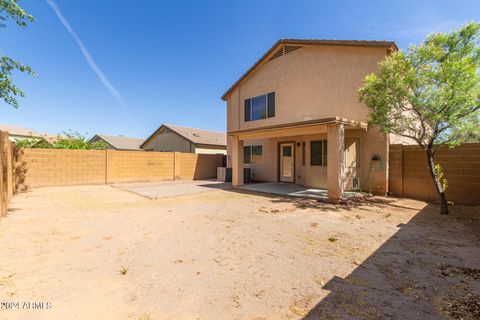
column 260, row 107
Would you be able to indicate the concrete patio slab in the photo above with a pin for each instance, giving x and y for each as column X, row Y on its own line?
column 293, row 190
column 167, row 189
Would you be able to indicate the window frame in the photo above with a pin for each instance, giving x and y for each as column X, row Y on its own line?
column 304, row 153
column 269, row 107
column 251, row 153
column 323, row 156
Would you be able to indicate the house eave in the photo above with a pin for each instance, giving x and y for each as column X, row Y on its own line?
column 390, row 45
column 324, row 121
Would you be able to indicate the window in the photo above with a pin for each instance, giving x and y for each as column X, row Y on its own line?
column 303, row 154
column 318, row 153
column 252, row 154
column 260, row 107
column 247, row 154
column 352, row 152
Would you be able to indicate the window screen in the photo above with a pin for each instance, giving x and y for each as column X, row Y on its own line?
column 252, row 154
column 247, row 110
column 260, row 107
column 247, row 155
column 271, row 105
column 318, row 153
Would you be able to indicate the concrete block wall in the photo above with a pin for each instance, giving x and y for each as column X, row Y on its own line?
column 59, row 167
column 6, row 172
column 191, row 166
column 136, row 166
column 409, row 176
column 55, row 167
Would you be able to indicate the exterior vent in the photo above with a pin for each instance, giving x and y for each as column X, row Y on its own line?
column 289, row 49
column 283, row 51
column 277, row 54
column 355, row 183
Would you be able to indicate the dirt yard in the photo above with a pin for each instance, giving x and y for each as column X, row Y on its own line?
column 99, row 252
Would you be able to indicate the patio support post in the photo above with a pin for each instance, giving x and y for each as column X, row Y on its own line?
column 335, row 161
column 237, row 161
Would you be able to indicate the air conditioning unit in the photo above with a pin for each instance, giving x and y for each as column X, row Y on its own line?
column 356, row 183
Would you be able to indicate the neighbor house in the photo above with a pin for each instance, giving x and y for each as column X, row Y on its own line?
column 118, row 142
column 18, row 133
column 169, row 137
column 295, row 117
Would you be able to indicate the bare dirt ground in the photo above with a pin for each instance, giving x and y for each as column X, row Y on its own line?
column 98, row 252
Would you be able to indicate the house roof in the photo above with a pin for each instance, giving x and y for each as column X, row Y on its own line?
column 120, row 142
column 361, row 43
column 18, row 131
column 26, row 132
column 194, row 135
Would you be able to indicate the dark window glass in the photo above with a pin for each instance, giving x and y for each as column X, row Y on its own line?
column 316, row 148
column 271, row 104
column 247, row 110
column 259, row 107
column 247, row 154
column 303, row 153
column 325, row 152
column 257, row 150
column 287, row 151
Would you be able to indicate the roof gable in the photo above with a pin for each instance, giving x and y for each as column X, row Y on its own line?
column 194, row 135
column 284, row 46
column 120, row 142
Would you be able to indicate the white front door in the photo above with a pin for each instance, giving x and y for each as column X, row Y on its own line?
column 286, row 162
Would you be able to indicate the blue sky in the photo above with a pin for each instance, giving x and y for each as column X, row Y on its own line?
column 170, row 61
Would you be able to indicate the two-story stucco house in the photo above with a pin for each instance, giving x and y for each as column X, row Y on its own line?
column 295, row 117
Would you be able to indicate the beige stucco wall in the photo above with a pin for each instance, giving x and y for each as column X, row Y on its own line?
column 369, row 142
column 206, row 150
column 168, row 141
column 313, row 82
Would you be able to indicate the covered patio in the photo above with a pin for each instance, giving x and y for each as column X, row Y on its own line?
column 293, row 190
column 328, row 182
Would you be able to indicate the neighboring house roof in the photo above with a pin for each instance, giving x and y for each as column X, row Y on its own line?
column 26, row 133
column 120, row 142
column 194, row 135
column 272, row 51
column 17, row 131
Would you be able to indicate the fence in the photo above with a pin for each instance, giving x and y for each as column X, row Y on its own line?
column 409, row 176
column 6, row 172
column 58, row 167
column 408, row 170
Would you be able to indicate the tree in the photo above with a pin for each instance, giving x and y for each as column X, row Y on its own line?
column 67, row 140
column 430, row 94
column 9, row 9
column 74, row 140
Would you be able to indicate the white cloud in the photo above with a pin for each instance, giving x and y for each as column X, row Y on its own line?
column 101, row 76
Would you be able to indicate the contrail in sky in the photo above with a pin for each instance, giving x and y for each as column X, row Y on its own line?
column 101, row 76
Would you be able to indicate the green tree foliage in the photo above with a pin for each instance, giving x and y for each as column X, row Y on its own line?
column 9, row 9
column 32, row 143
column 74, row 140
column 67, row 140
column 431, row 94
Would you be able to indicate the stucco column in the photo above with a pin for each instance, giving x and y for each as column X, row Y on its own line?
column 335, row 161
column 237, row 161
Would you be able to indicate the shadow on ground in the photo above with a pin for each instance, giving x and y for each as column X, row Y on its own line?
column 430, row 269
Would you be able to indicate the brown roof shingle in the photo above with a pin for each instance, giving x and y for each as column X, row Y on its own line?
column 194, row 135
column 120, row 142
